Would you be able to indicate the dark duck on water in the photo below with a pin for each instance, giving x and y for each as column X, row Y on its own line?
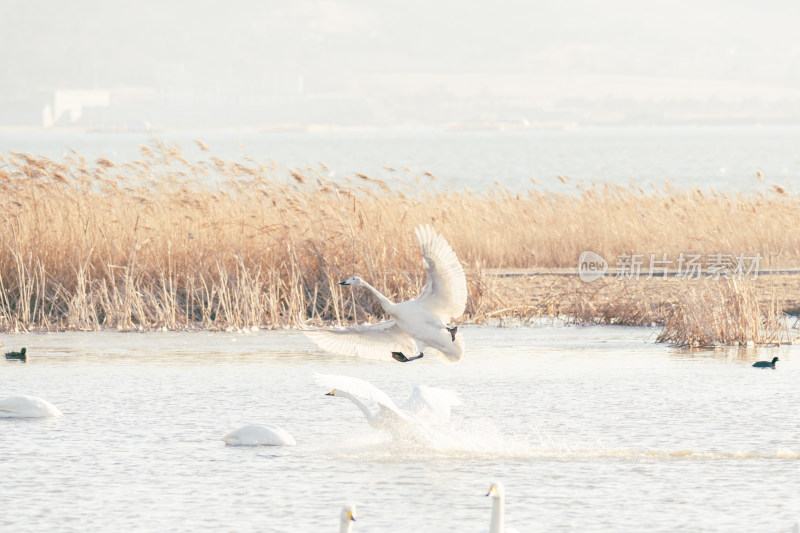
column 766, row 364
column 19, row 356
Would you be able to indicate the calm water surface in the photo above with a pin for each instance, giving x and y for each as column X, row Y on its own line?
column 590, row 429
column 725, row 158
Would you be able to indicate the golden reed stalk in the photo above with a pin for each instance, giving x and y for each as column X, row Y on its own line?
column 160, row 242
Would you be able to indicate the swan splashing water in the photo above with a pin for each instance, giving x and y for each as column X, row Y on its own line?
column 427, row 406
column 415, row 324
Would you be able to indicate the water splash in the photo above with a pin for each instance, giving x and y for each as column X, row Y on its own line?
column 480, row 439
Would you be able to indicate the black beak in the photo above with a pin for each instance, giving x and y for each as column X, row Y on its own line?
column 329, row 394
column 353, row 518
column 343, row 283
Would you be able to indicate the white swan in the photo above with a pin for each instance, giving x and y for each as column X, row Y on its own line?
column 346, row 518
column 252, row 435
column 425, row 406
column 498, row 494
column 416, row 324
column 27, row 407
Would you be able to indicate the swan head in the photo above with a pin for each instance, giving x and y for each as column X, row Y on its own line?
column 496, row 490
column 348, row 513
column 355, row 281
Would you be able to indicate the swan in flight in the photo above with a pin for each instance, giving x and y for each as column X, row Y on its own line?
column 27, row 407
column 425, row 406
column 498, row 494
column 269, row 435
column 416, row 324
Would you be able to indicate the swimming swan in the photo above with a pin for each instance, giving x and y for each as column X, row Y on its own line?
column 269, row 435
column 27, row 407
column 415, row 324
column 425, row 406
column 347, row 517
column 498, row 494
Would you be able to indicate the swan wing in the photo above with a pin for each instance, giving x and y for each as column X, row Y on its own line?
column 370, row 341
column 361, row 389
column 445, row 292
column 431, row 405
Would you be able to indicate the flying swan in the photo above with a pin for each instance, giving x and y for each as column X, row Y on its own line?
column 27, row 407
column 416, row 324
column 425, row 406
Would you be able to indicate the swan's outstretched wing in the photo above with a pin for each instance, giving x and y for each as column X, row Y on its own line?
column 431, row 405
column 361, row 389
column 445, row 292
column 371, row 341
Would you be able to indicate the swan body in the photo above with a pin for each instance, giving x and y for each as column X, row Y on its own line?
column 498, row 494
column 27, row 407
column 346, row 518
column 414, row 325
column 269, row 435
column 425, row 406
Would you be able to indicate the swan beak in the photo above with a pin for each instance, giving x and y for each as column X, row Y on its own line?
column 350, row 516
column 331, row 393
column 491, row 490
column 343, row 283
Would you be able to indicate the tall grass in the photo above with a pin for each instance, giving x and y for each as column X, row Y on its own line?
column 161, row 242
column 725, row 313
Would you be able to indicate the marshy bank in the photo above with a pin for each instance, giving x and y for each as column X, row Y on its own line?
column 162, row 242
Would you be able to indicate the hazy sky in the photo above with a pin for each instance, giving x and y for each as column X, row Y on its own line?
column 581, row 48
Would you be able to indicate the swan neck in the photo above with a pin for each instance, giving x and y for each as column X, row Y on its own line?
column 385, row 302
column 346, row 526
column 364, row 409
column 497, row 516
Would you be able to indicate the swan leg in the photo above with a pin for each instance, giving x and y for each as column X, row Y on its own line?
column 452, row 331
column 398, row 356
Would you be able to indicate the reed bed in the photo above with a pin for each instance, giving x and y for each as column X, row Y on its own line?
column 725, row 313
column 162, row 242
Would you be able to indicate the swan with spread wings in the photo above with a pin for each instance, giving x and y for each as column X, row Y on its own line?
column 415, row 325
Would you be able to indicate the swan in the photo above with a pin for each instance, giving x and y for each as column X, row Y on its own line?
column 27, row 407
column 425, row 405
column 252, row 435
column 347, row 517
column 20, row 355
column 415, row 324
column 498, row 494
column 766, row 364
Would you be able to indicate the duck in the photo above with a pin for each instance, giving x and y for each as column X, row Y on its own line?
column 415, row 325
column 27, row 407
column 19, row 356
column 766, row 364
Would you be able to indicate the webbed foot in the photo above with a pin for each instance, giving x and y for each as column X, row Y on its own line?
column 452, row 332
column 398, row 356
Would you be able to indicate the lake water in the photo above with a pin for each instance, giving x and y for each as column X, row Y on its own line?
column 591, row 428
column 725, row 158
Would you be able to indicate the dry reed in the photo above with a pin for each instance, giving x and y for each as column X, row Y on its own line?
column 161, row 242
column 725, row 313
